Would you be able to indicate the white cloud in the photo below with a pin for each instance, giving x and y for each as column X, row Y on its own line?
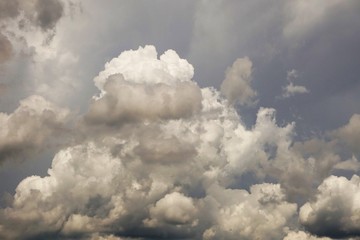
column 260, row 214
column 300, row 235
column 138, row 86
column 173, row 208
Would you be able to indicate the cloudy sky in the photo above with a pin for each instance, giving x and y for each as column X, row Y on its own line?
column 191, row 119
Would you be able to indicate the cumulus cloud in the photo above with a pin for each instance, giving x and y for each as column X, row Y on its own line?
column 163, row 158
column 236, row 86
column 260, row 214
column 291, row 89
column 335, row 210
column 350, row 134
column 300, row 235
column 151, row 178
column 174, row 208
column 6, row 50
column 29, row 128
column 138, row 86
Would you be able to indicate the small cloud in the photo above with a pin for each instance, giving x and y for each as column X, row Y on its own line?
column 237, row 84
column 291, row 89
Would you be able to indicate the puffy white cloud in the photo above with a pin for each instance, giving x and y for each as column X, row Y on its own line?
column 138, row 86
column 300, row 235
column 260, row 214
column 335, row 210
column 236, row 85
column 30, row 127
column 173, row 208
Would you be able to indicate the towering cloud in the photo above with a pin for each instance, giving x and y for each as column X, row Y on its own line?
column 165, row 163
column 160, row 157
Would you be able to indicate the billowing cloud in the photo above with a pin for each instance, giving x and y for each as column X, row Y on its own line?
column 236, row 86
column 335, row 210
column 160, row 157
column 171, row 171
column 162, row 89
column 29, row 128
column 260, row 214
column 300, row 235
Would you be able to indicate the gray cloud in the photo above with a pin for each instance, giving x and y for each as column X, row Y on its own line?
column 236, row 85
column 30, row 127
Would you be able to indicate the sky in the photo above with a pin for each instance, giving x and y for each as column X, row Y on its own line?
column 192, row 119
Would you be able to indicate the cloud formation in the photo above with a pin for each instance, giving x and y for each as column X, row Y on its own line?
column 160, row 157
column 335, row 210
column 170, row 171
column 29, row 128
column 162, row 89
column 236, row 85
column 300, row 235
